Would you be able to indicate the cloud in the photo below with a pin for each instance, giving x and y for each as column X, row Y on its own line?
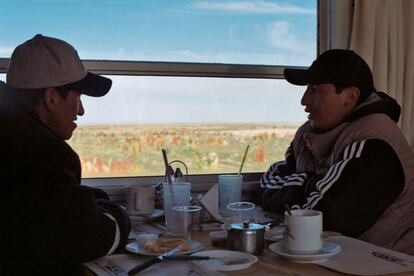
column 280, row 36
column 252, row 7
column 6, row 51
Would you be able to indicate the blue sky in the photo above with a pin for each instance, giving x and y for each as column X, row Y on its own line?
column 246, row 32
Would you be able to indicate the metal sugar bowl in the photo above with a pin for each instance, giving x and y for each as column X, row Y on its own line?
column 246, row 237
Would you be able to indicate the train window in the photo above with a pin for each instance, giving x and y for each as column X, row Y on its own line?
column 202, row 79
column 239, row 32
column 205, row 122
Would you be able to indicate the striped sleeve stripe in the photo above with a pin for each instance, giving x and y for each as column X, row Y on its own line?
column 312, row 196
column 117, row 235
column 276, row 166
column 351, row 151
column 325, row 183
column 271, row 177
column 268, row 177
column 341, row 166
column 291, row 180
column 354, row 150
column 332, row 172
column 272, row 181
column 291, row 183
column 279, row 180
column 361, row 147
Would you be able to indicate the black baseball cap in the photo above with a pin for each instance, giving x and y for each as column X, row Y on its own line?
column 339, row 67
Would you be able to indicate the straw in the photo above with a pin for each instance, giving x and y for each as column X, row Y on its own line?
column 244, row 159
column 168, row 172
column 168, row 168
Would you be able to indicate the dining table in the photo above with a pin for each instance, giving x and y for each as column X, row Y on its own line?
column 268, row 263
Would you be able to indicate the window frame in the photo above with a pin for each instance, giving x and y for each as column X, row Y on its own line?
column 200, row 182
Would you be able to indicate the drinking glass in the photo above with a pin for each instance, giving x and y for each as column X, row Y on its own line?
column 230, row 187
column 175, row 194
column 187, row 220
column 240, row 211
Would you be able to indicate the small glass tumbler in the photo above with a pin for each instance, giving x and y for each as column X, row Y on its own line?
column 188, row 220
column 175, row 194
column 145, row 240
column 240, row 211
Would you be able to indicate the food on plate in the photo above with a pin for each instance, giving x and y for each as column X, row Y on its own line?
column 146, row 239
column 161, row 246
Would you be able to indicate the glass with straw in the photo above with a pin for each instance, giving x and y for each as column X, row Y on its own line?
column 230, row 188
column 174, row 194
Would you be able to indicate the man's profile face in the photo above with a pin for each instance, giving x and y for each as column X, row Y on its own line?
column 63, row 123
column 326, row 108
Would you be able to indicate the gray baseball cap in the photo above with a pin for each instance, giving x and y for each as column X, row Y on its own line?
column 43, row 62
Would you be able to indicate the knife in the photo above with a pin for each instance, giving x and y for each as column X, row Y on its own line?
column 186, row 258
column 152, row 261
column 223, row 260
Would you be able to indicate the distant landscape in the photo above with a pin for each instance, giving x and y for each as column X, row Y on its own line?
column 135, row 150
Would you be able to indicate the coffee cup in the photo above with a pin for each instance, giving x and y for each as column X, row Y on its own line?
column 303, row 231
column 139, row 200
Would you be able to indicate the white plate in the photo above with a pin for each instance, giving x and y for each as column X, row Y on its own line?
column 133, row 247
column 155, row 214
column 276, row 234
column 328, row 250
column 218, row 265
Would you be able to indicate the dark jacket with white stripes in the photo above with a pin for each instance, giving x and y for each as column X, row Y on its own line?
column 359, row 174
column 50, row 224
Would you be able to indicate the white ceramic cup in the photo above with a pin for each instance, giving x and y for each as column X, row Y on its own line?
column 140, row 200
column 303, row 231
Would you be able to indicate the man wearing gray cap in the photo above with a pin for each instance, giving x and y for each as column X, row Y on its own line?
column 350, row 160
column 50, row 223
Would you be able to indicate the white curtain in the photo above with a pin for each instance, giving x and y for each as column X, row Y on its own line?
column 383, row 34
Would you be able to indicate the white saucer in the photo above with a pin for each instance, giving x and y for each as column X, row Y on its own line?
column 328, row 250
column 276, row 234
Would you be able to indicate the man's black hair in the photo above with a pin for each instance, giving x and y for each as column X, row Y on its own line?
column 29, row 99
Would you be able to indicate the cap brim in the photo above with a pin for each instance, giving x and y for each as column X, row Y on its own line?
column 93, row 85
column 297, row 76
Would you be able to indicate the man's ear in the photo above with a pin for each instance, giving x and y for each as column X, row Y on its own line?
column 49, row 99
column 352, row 96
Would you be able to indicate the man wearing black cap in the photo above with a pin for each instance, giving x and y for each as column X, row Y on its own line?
column 50, row 223
column 350, row 160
